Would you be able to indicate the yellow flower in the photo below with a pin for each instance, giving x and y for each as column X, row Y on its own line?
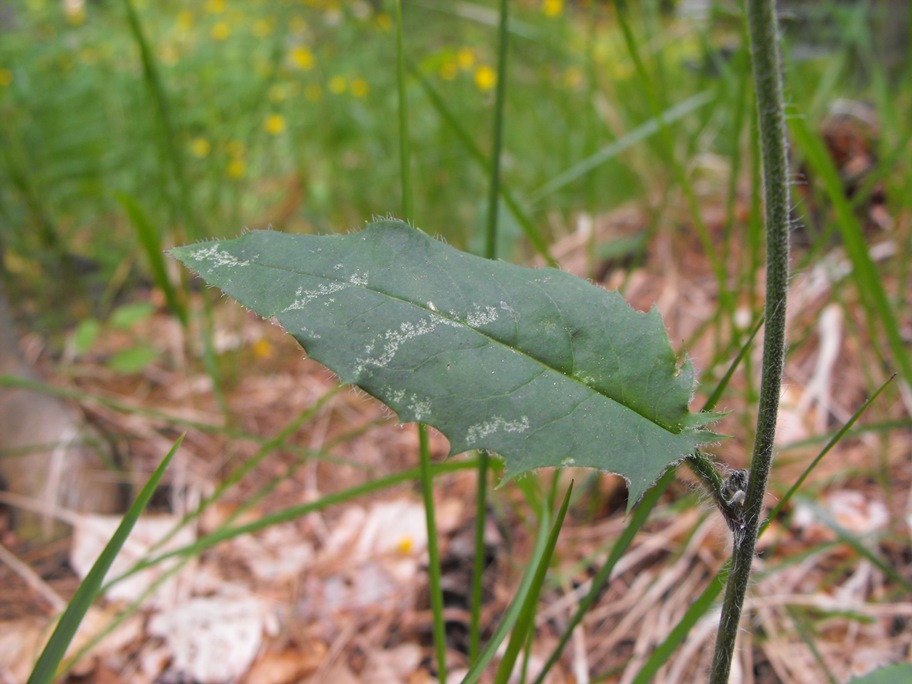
column 552, row 8
column 275, row 124
column 466, row 58
column 337, row 85
column 75, row 13
column 262, row 348
column 359, row 87
column 215, row 6
column 405, row 545
column 221, row 31
column 302, row 58
column 383, row 21
column 6, row 77
column 449, row 70
column 236, row 168
column 185, row 20
column 485, row 77
column 200, row 147
column 262, row 28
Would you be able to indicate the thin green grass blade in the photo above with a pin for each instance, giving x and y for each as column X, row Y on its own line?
column 424, row 450
column 525, row 623
column 150, row 241
column 511, row 615
column 294, row 512
column 50, row 658
column 813, row 464
column 528, row 227
column 866, row 275
column 481, row 498
column 640, row 514
column 613, row 149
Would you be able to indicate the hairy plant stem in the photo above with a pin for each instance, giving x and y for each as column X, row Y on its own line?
column 761, row 16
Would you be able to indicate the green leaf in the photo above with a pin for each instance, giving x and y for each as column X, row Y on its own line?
column 536, row 365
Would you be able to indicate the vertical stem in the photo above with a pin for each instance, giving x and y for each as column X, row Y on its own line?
column 490, row 253
column 771, row 117
column 424, row 450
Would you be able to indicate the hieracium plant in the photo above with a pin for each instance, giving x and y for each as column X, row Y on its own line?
column 535, row 365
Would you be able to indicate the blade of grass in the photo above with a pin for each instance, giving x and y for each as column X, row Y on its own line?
column 511, row 615
column 525, row 622
column 150, row 241
column 877, row 305
column 475, row 153
column 613, row 149
column 481, row 497
column 424, row 450
column 50, row 658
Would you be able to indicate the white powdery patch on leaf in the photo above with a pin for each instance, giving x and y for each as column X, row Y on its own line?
column 419, row 407
column 391, row 340
column 479, row 431
column 304, row 297
column 480, row 316
column 216, row 257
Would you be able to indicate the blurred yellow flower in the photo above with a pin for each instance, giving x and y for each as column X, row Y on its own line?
column 215, row 6
column 275, row 124
column 237, row 168
column 405, row 545
column 302, row 58
column 200, row 147
column 6, row 77
column 449, row 70
column 221, row 31
column 262, row 348
column 185, row 20
column 262, row 28
column 313, row 92
column 75, row 13
column 383, row 21
column 485, row 77
column 359, row 87
column 337, row 85
column 466, row 58
column 552, row 8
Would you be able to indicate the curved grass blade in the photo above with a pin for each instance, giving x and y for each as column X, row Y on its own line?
column 46, row 666
column 525, row 623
